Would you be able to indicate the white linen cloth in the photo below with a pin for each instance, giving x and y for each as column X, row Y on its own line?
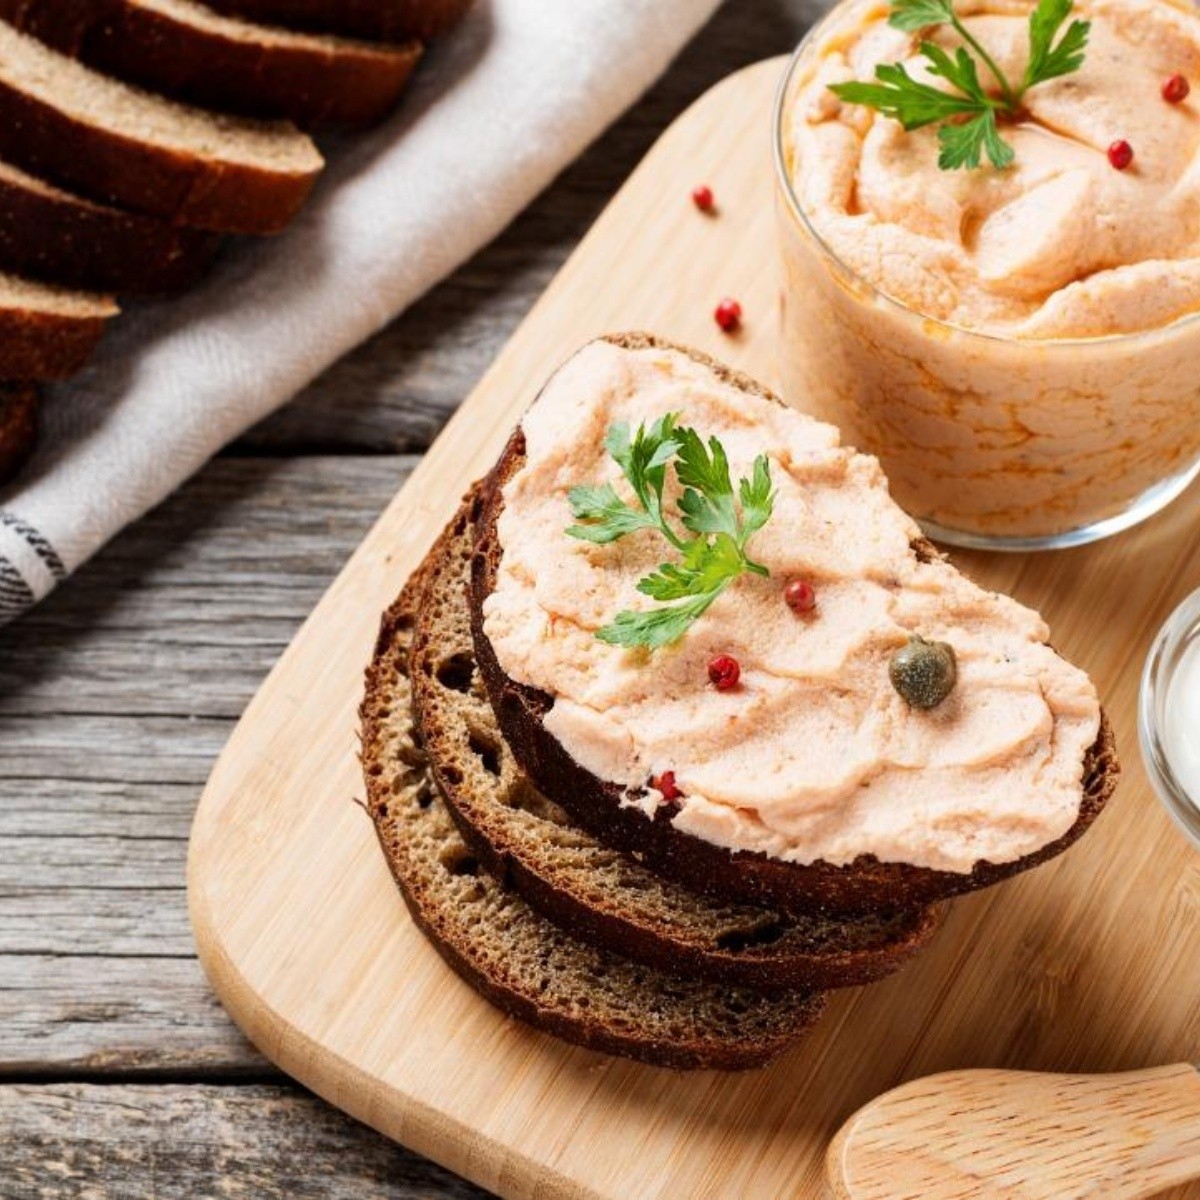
column 501, row 106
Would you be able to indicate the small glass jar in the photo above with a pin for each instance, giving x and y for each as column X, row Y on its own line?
column 990, row 441
column 1169, row 716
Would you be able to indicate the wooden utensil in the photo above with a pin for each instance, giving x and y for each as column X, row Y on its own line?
column 1022, row 1136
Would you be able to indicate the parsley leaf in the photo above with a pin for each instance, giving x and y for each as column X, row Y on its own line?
column 959, row 70
column 644, row 458
column 757, row 497
column 657, row 628
column 915, row 15
column 604, row 515
column 707, row 566
column 903, row 98
column 707, row 500
column 966, row 112
column 1046, row 60
column 721, row 518
column 961, row 145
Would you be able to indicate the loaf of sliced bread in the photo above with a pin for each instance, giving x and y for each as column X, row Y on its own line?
column 864, row 885
column 117, row 144
column 54, row 235
column 583, row 885
column 518, row 960
column 18, row 426
column 379, row 20
column 188, row 51
column 47, row 332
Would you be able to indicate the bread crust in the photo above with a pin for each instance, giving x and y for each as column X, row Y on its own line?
column 576, row 884
column 314, row 81
column 19, row 404
column 45, row 345
column 375, row 20
column 861, row 886
column 50, row 234
column 108, row 165
column 400, row 811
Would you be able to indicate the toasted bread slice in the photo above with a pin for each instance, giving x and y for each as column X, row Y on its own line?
column 518, row 960
column 48, row 332
column 378, row 20
column 18, row 426
column 865, row 885
column 120, row 145
column 193, row 53
column 584, row 886
column 54, row 235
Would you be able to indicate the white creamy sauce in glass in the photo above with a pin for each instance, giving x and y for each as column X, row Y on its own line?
column 1182, row 725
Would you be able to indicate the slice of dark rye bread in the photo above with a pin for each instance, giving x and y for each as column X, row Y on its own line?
column 52, row 234
column 120, row 145
column 864, row 885
column 518, row 960
column 47, row 332
column 378, row 20
column 186, row 50
column 584, row 886
column 18, row 426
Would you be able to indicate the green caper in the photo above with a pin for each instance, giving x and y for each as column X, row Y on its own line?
column 924, row 673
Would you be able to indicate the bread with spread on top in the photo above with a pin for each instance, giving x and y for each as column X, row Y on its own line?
column 585, row 887
column 120, row 145
column 193, row 53
column 815, row 782
column 517, row 959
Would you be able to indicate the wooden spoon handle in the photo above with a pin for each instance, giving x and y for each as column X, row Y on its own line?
column 1022, row 1136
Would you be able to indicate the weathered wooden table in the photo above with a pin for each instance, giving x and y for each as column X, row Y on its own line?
column 120, row 1076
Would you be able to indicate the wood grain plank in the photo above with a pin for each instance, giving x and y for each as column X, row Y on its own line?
column 115, row 697
column 110, row 747
column 103, row 863
column 183, row 614
column 46, row 917
column 180, row 1143
column 396, row 391
column 79, row 1018
column 53, row 807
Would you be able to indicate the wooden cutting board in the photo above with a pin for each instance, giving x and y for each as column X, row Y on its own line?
column 1089, row 964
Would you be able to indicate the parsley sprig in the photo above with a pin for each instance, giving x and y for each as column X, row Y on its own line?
column 968, row 113
column 720, row 520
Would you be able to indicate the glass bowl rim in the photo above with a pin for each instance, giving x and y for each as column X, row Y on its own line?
column 1156, row 679
column 783, row 182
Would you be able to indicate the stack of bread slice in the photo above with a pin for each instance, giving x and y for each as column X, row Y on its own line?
column 574, row 910
column 639, row 965
column 136, row 134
